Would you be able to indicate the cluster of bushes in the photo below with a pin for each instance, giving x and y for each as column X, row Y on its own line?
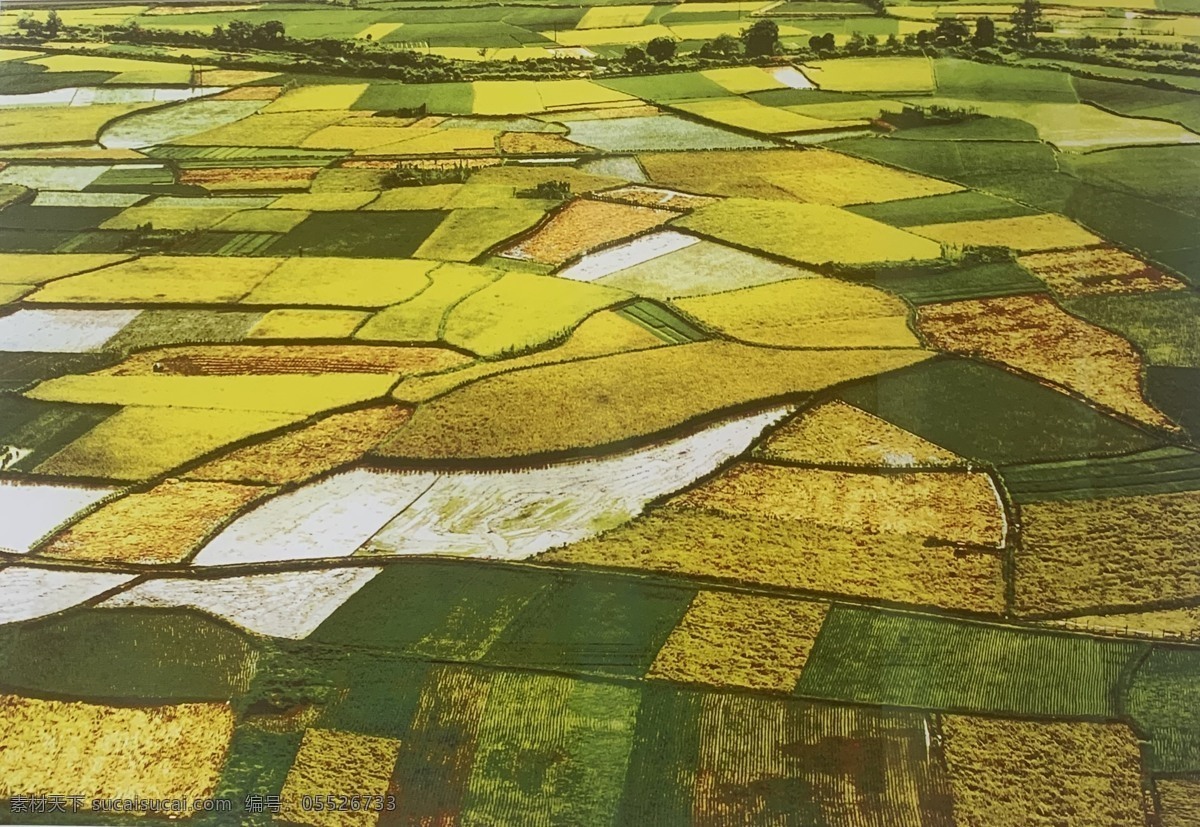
column 548, row 191
column 910, row 117
column 411, row 175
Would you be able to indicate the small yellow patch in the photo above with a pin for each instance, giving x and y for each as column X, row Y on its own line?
column 331, row 762
column 730, row 639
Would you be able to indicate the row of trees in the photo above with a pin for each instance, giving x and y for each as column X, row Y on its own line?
column 758, row 40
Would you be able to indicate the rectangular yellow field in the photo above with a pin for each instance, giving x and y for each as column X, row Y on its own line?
column 324, row 97
column 564, row 94
column 742, row 79
column 875, row 74
column 747, row 114
column 505, row 97
column 377, row 31
column 96, row 751
column 159, row 279
column 1027, row 233
column 605, row 17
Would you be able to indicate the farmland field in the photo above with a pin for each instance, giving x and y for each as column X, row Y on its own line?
column 600, row 414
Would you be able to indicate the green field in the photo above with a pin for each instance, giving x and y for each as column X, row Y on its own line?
column 1158, row 471
column 893, row 659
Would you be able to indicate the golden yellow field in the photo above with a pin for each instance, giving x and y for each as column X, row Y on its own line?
column 599, row 334
column 425, row 141
column 739, row 79
column 291, row 393
column 261, row 221
column 336, row 97
column 798, row 555
column 1115, row 551
column 1169, row 623
column 190, row 218
column 353, row 282
column 1027, row 233
column 521, row 311
column 321, row 201
column 162, row 279
column 1097, row 271
column 263, row 360
column 281, row 129
column 336, row 440
column 95, row 751
column 332, row 762
column 962, row 508
column 39, row 268
column 1034, row 773
column 808, row 233
column 308, row 324
column 583, row 224
column 891, row 74
column 806, row 312
column 835, row 433
column 1035, row 335
column 163, row 525
column 138, row 443
column 1179, row 800
column 825, row 177
column 731, row 639
column 593, row 402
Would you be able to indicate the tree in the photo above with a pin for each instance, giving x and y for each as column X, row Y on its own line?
column 1025, row 22
column 721, row 46
column 761, row 39
column 985, row 33
column 633, row 55
column 53, row 24
column 950, row 31
column 661, row 49
column 828, row 44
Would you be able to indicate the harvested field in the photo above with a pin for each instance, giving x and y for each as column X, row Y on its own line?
column 591, row 403
column 1110, row 552
column 582, row 225
column 329, row 518
column 299, row 359
column 644, row 196
column 336, row 440
column 835, row 433
column 1033, row 334
column 36, row 509
column 729, row 639
column 162, row 279
column 1028, row 233
column 162, row 525
column 61, row 331
column 308, row 324
column 248, row 178
column 797, row 555
column 140, row 443
column 1031, row 773
column 807, row 233
column 37, row 592
column 594, row 266
column 698, row 269
column 538, row 143
column 358, row 282
column 953, row 508
column 330, row 763
column 290, row 604
column 656, row 133
column 1097, row 271
column 149, row 752
column 516, row 514
column 520, row 311
column 806, row 312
